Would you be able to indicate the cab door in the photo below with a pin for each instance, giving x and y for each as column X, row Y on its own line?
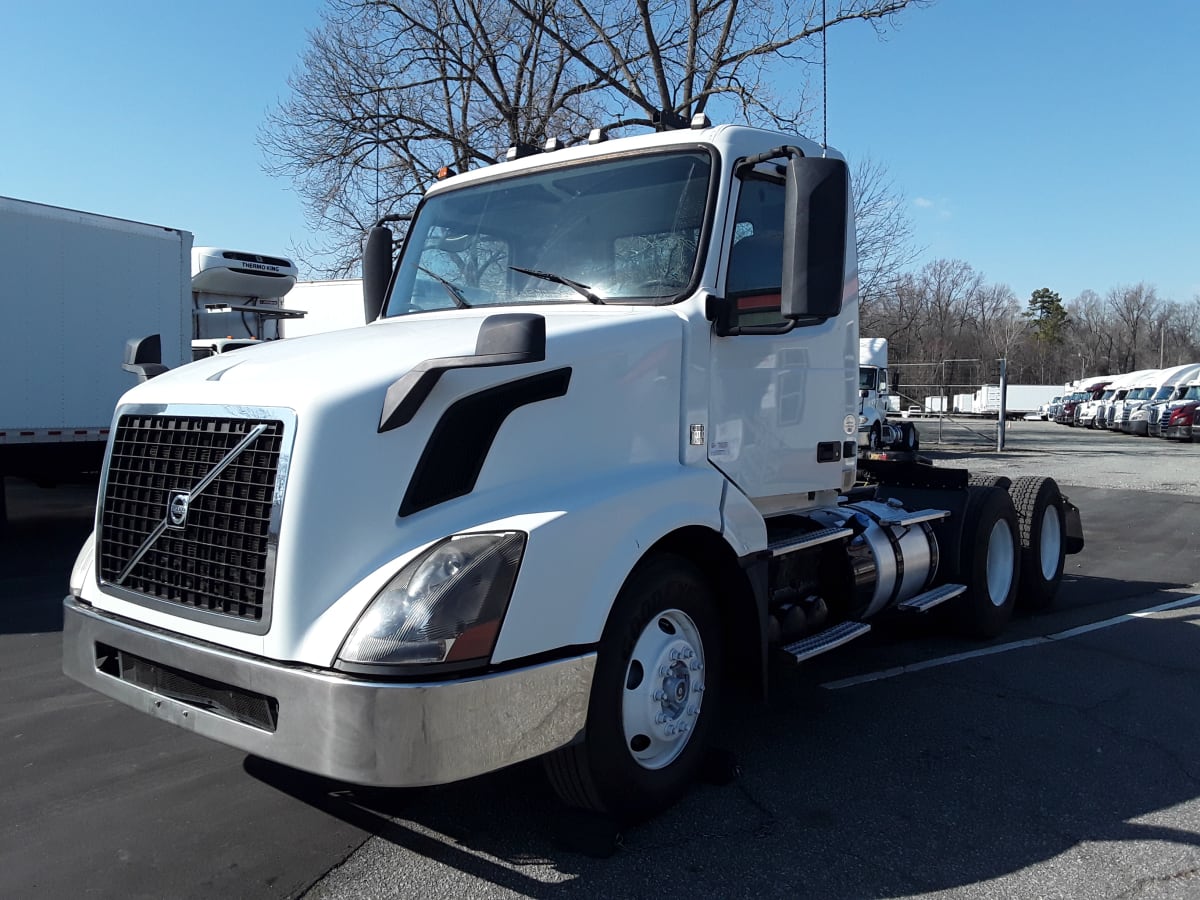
column 782, row 406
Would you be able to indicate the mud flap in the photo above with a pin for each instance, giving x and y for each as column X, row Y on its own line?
column 1074, row 526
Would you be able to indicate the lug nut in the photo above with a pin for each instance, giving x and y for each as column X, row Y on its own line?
column 659, row 695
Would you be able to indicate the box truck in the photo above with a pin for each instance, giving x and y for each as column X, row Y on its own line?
column 74, row 287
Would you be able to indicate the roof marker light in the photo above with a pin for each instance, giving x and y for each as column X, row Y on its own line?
column 519, row 151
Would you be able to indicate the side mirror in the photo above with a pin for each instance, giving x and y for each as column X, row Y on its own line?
column 377, row 270
column 143, row 357
column 814, row 237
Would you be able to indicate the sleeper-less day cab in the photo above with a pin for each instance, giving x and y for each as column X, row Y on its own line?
column 594, row 461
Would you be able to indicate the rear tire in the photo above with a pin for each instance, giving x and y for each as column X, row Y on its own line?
column 1038, row 502
column 654, row 696
column 989, row 562
column 1000, row 481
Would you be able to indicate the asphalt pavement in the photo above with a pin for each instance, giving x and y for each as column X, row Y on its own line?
column 1057, row 761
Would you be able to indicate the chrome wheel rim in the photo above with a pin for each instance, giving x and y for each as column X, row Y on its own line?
column 1000, row 558
column 664, row 689
column 1050, row 543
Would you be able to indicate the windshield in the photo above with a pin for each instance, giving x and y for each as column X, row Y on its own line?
column 1193, row 393
column 625, row 230
column 1164, row 392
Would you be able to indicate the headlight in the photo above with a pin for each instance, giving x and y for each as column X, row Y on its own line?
column 443, row 607
column 862, row 420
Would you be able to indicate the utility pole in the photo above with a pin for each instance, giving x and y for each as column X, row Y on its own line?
column 1003, row 405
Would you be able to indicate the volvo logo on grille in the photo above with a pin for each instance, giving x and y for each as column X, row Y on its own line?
column 177, row 510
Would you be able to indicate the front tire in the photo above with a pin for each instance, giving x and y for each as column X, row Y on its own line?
column 654, row 696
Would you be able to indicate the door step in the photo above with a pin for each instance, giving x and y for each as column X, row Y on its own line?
column 930, row 599
column 796, row 542
column 904, row 517
column 816, row 644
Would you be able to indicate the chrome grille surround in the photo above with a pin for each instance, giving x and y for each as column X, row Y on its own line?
column 162, row 461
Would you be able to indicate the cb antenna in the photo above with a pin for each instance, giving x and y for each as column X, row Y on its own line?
column 824, row 83
column 378, row 132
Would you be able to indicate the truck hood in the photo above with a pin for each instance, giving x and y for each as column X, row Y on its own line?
column 318, row 369
column 368, row 499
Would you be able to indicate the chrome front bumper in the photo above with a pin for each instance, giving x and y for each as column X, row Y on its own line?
column 346, row 728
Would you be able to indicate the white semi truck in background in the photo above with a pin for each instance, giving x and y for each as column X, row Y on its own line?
column 877, row 397
column 74, row 286
column 592, row 464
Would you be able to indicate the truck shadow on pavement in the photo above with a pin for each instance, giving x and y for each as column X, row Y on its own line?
column 929, row 781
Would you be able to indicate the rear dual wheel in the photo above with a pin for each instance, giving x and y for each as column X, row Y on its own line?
column 1039, row 507
column 989, row 562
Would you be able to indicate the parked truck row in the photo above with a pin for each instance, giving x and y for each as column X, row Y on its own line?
column 592, row 465
column 76, row 287
column 1154, row 402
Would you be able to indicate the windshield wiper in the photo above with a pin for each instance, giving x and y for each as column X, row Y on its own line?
column 455, row 294
column 583, row 289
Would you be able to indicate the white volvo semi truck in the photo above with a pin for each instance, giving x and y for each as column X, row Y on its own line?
column 591, row 464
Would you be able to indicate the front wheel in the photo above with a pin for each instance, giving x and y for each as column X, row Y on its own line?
column 654, row 696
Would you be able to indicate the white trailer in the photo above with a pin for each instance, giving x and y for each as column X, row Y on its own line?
column 74, row 286
column 326, row 305
column 1020, row 399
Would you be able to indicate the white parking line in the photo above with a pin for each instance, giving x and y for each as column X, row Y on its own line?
column 1004, row 648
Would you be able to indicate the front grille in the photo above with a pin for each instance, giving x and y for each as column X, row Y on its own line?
column 216, row 559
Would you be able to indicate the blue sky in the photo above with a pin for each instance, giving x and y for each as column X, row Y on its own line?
column 1046, row 142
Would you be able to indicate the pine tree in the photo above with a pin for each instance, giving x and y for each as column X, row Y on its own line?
column 1048, row 317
